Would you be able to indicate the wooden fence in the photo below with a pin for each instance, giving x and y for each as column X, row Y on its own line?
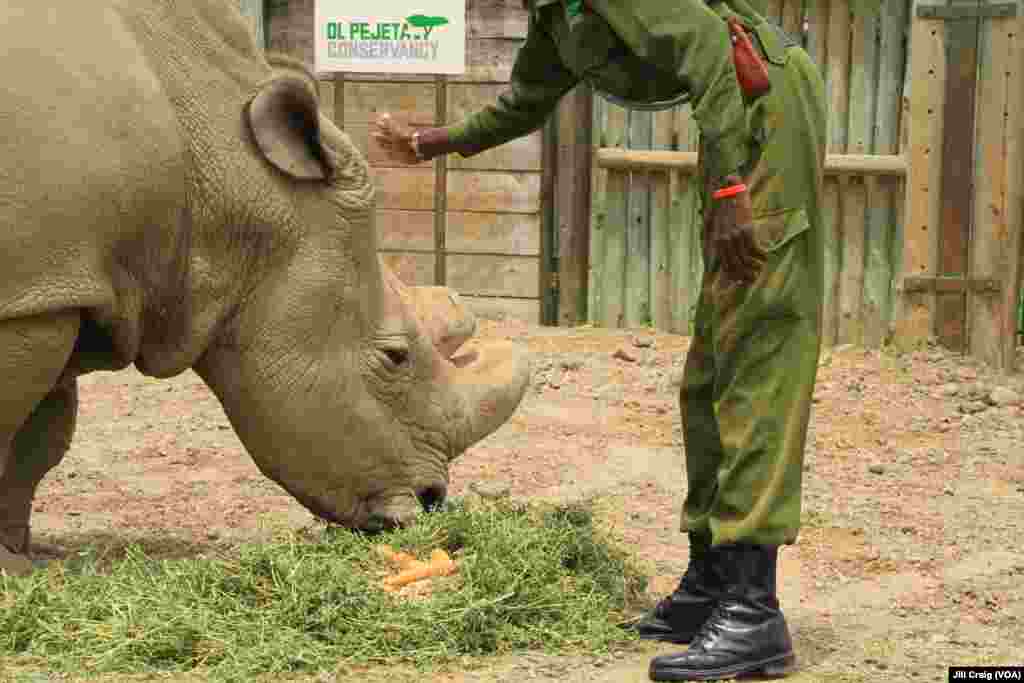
column 645, row 263
column 475, row 224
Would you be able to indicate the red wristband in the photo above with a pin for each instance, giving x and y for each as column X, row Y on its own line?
column 730, row 191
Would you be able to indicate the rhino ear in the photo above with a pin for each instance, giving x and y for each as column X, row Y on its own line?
column 285, row 122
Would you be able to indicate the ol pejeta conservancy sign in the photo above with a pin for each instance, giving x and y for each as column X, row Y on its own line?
column 391, row 36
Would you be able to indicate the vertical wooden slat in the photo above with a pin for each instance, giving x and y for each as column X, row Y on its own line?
column 1013, row 278
column 774, row 10
column 573, row 201
column 958, row 114
column 638, row 245
column 616, row 224
column 661, row 228
column 991, row 240
column 925, row 94
column 598, row 219
column 836, row 70
column 440, row 186
column 860, row 139
column 686, row 238
column 885, row 192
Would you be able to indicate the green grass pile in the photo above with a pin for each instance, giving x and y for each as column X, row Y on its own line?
column 531, row 577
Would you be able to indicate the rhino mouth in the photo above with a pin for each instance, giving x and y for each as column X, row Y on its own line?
column 430, row 499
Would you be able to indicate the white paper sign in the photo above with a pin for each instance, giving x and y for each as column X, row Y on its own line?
column 391, row 36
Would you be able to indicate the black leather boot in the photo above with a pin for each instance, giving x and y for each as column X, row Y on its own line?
column 678, row 616
column 746, row 635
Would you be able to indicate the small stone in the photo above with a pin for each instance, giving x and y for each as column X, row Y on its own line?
column 572, row 364
column 490, row 490
column 842, row 348
column 624, row 356
column 675, row 377
column 972, row 407
column 948, row 491
column 1003, row 396
column 212, row 535
column 643, row 342
column 949, row 390
column 967, row 374
column 877, row 469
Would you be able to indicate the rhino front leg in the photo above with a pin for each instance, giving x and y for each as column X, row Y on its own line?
column 37, row 419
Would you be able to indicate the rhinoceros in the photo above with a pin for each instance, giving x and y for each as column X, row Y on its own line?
column 172, row 198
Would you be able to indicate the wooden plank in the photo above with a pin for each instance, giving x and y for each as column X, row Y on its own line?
column 501, row 308
column 404, row 188
column 412, row 230
column 598, row 200
column 831, row 209
column 521, row 154
column 884, row 194
column 507, row 233
column 440, row 186
column 686, row 261
column 413, row 269
column 490, row 275
column 496, row 19
column 957, row 170
column 412, row 103
column 572, row 201
column 489, row 60
column 860, row 140
column 638, row 236
column 661, row 160
column 493, row 191
column 665, row 139
column 1013, row 288
column 923, row 98
column 613, row 217
column 615, row 241
column 851, row 277
column 837, row 74
column 991, row 243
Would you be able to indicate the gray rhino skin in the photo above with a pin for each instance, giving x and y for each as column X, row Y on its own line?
column 171, row 198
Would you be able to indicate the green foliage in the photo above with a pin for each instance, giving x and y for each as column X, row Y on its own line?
column 530, row 577
column 424, row 21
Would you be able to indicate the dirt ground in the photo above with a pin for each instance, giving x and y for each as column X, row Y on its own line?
column 909, row 561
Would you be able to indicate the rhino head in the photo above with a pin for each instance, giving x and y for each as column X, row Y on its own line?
column 343, row 384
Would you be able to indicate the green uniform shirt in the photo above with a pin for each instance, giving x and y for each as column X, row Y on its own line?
column 638, row 50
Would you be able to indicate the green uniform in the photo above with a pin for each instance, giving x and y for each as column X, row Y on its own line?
column 750, row 372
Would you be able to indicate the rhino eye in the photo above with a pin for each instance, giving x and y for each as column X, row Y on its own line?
column 398, row 357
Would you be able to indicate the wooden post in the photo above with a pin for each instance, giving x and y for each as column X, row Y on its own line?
column 924, row 94
column 572, row 202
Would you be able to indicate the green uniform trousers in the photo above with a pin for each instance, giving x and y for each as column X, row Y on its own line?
column 749, row 377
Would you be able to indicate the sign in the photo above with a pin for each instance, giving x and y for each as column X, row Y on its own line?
column 391, row 36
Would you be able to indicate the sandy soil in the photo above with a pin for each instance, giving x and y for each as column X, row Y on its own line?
column 910, row 559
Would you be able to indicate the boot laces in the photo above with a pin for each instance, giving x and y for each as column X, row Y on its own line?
column 709, row 628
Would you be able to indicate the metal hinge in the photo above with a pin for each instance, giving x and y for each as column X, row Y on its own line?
column 983, row 285
column 985, row 10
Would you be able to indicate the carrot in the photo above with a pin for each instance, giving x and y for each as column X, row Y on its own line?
column 425, row 571
column 403, row 560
